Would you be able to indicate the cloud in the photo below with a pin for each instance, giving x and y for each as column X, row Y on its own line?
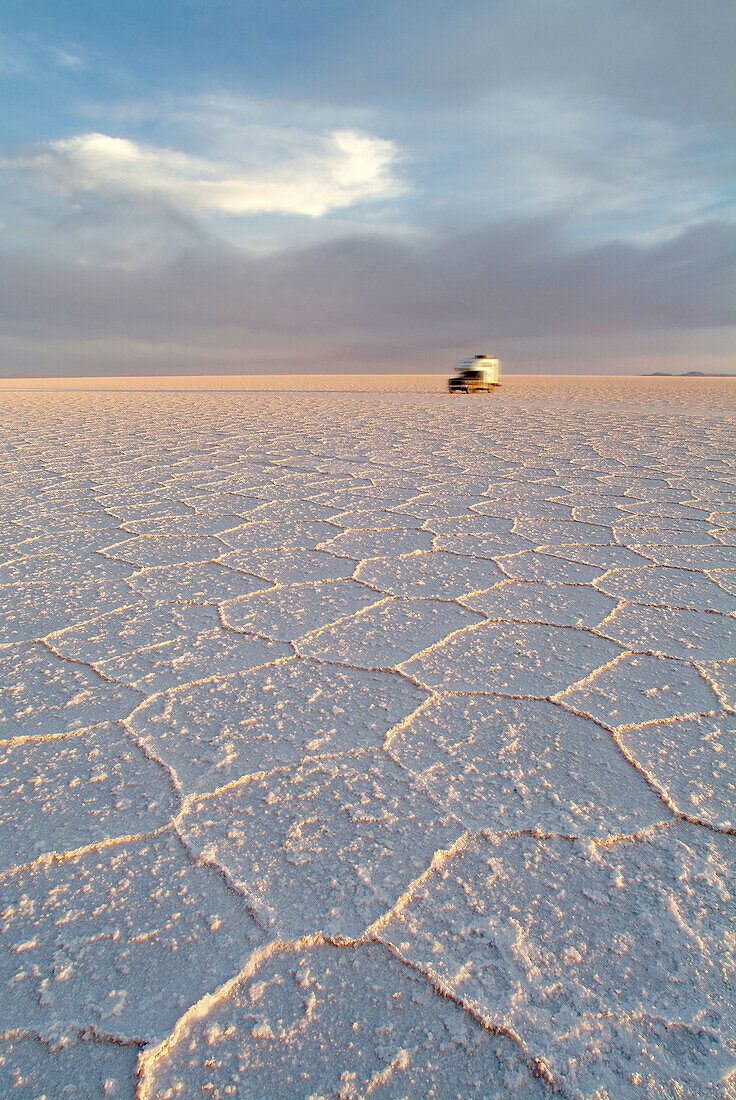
column 523, row 288
column 515, row 282
column 325, row 172
column 569, row 177
column 66, row 58
column 515, row 152
column 27, row 56
column 672, row 60
column 606, row 174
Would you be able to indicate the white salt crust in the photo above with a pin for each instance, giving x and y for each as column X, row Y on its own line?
column 368, row 744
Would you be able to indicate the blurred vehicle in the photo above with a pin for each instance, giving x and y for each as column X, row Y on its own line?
column 476, row 375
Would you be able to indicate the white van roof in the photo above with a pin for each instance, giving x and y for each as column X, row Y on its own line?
column 476, row 362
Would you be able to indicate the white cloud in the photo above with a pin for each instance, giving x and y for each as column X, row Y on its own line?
column 65, row 58
column 324, row 172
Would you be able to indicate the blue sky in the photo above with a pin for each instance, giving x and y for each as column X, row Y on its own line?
column 212, row 187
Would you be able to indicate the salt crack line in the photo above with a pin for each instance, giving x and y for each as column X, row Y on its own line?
column 509, row 621
column 150, row 1057
column 219, row 869
column 440, row 857
column 286, row 586
column 501, row 558
column 54, row 858
column 145, row 749
column 722, row 697
column 485, row 619
column 717, row 582
column 214, row 678
column 468, row 836
column 626, row 601
column 52, row 1036
column 659, row 653
column 585, row 680
column 253, row 634
column 309, row 634
column 647, row 776
column 636, row 652
column 610, row 617
column 400, row 1061
column 406, row 721
column 24, row 738
column 193, row 799
column 536, row 1065
column 629, row 651
column 79, row 661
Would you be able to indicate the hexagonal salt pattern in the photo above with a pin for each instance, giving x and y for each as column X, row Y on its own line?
column 190, row 657
column 547, row 567
column 721, row 675
column 150, row 550
column 124, row 937
column 328, row 1022
column 692, row 763
column 286, row 613
column 673, row 632
column 663, row 586
column 378, row 745
column 514, row 659
column 216, row 731
column 384, row 543
column 200, row 583
column 440, row 575
column 131, row 628
column 42, row 695
column 85, row 787
column 481, row 543
column 634, row 690
column 388, row 633
column 30, row 610
column 509, row 764
column 612, row 974
column 276, row 534
column 290, row 566
column 535, row 602
column 345, row 836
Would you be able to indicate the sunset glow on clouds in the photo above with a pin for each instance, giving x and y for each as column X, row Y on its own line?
column 535, row 178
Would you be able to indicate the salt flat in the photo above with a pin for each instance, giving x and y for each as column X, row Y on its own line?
column 368, row 742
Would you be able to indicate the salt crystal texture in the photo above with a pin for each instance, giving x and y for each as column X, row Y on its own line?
column 372, row 744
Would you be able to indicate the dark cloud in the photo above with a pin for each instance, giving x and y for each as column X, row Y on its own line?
column 519, row 281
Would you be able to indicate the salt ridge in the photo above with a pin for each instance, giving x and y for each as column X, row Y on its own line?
column 375, row 746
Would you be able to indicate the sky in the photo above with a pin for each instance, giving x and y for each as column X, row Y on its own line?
column 209, row 186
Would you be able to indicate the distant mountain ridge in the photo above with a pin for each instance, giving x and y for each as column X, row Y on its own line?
column 686, row 374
